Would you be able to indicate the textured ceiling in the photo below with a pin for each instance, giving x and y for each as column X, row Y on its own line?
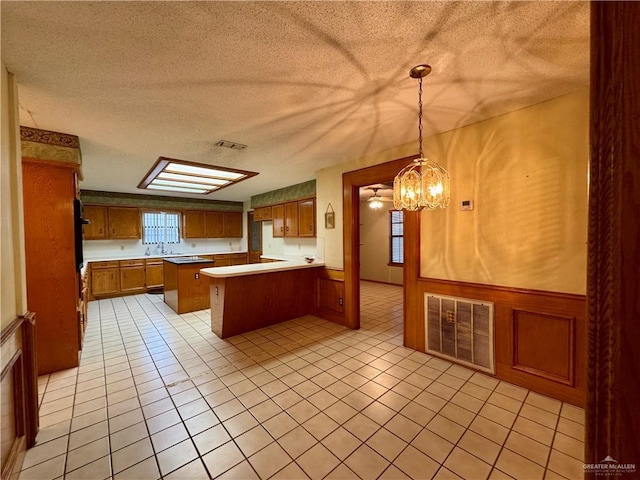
column 305, row 85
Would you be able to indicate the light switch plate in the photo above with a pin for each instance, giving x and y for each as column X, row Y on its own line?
column 466, row 205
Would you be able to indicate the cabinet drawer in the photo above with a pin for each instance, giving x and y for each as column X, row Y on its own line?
column 153, row 261
column 112, row 264
column 132, row 263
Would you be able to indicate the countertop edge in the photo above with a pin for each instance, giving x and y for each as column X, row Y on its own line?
column 258, row 268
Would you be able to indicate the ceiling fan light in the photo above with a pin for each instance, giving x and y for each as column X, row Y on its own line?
column 375, row 203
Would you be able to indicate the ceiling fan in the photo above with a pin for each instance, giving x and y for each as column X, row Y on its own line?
column 375, row 201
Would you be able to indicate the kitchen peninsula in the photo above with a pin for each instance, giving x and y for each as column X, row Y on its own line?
column 248, row 297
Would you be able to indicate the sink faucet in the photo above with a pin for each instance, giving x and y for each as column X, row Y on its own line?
column 161, row 247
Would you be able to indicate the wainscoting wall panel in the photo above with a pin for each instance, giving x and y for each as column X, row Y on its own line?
column 540, row 337
column 544, row 345
column 19, row 402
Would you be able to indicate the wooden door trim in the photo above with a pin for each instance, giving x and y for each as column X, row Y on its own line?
column 351, row 183
column 613, row 393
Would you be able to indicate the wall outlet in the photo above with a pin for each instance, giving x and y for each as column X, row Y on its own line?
column 193, row 245
column 121, row 247
column 341, row 301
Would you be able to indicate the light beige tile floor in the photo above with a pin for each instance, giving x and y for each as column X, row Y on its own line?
column 157, row 394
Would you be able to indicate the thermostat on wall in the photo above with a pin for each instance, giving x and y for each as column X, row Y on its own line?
column 466, row 205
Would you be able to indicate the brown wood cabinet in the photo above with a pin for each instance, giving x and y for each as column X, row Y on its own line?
column 232, row 225
column 153, row 273
column 105, row 278
column 203, row 224
column 291, row 219
column 111, row 222
column 277, row 213
column 294, row 219
column 307, row 218
column 97, row 228
column 185, row 288
column 214, row 224
column 132, row 276
column 194, row 224
column 52, row 281
column 124, row 222
column 262, row 213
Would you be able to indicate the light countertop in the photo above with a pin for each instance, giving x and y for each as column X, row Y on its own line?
column 285, row 263
column 167, row 255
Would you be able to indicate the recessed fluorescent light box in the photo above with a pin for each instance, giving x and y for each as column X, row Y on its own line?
column 180, row 176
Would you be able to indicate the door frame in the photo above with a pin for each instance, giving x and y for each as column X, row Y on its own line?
column 351, row 183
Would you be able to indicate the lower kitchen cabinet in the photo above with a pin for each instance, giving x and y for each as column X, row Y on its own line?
column 105, row 278
column 153, row 274
column 132, row 276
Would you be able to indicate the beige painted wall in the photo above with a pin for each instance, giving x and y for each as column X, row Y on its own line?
column 13, row 297
column 526, row 171
column 374, row 246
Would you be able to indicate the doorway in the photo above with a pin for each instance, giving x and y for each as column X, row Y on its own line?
column 352, row 182
column 254, row 239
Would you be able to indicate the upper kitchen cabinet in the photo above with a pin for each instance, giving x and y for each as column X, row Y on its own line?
column 204, row 224
column 294, row 219
column 291, row 219
column 233, row 225
column 124, row 222
column 96, row 229
column 111, row 222
column 277, row 214
column 214, row 224
column 307, row 218
column 262, row 213
column 194, row 224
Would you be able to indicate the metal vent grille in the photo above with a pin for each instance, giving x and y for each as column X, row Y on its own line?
column 460, row 329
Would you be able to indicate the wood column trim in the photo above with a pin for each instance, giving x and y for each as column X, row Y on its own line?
column 613, row 426
column 351, row 183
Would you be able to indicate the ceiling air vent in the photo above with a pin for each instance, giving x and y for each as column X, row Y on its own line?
column 233, row 145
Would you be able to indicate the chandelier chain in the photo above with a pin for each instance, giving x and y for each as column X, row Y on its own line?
column 420, row 116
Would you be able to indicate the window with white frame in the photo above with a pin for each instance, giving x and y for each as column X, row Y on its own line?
column 160, row 227
column 396, row 237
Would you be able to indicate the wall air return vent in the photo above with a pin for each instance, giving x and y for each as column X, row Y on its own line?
column 460, row 330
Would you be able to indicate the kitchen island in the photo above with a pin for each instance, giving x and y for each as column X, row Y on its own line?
column 248, row 297
column 185, row 289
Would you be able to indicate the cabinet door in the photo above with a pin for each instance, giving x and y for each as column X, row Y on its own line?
column 307, row 218
column 291, row 219
column 194, row 224
column 132, row 279
column 154, row 275
column 277, row 213
column 233, row 225
column 97, row 228
column 238, row 259
column 104, row 281
column 262, row 213
column 124, row 222
column 222, row 260
column 214, row 224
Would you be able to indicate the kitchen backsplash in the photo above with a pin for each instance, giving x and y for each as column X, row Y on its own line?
column 286, row 246
column 117, row 248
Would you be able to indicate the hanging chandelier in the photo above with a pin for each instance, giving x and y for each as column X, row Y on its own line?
column 375, row 201
column 423, row 184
